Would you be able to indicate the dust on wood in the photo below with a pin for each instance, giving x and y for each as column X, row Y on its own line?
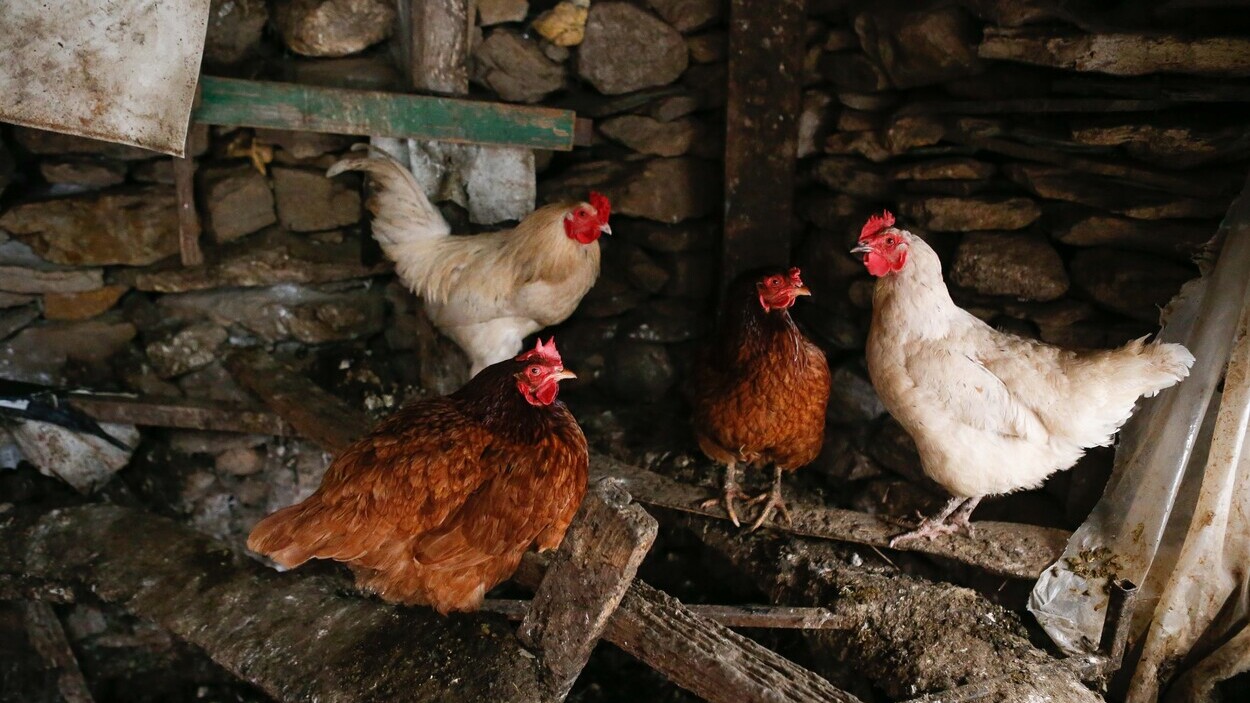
column 295, row 636
column 1000, row 548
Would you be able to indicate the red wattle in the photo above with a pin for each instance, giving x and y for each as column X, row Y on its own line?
column 877, row 264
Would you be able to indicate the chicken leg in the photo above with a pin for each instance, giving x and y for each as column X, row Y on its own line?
column 732, row 491
column 939, row 524
column 772, row 500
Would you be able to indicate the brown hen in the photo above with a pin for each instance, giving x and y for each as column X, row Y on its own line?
column 437, row 504
column 760, row 389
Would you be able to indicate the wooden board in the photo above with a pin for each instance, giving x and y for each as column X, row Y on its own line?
column 1001, row 548
column 228, row 101
column 761, row 138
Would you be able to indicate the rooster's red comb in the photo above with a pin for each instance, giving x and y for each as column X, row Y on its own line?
column 875, row 224
column 602, row 206
column 545, row 353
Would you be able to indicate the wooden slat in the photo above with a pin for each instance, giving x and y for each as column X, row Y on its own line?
column 1001, row 548
column 586, row 580
column 183, row 414
column 767, row 617
column 761, row 140
column 228, row 101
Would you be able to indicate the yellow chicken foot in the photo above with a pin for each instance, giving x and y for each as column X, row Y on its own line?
column 937, row 525
column 772, row 500
column 732, row 491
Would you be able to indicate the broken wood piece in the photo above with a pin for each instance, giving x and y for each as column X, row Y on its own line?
column 189, row 228
column 1120, row 53
column 701, row 656
column 183, row 414
column 296, row 636
column 586, row 579
column 316, row 414
column 1001, row 548
column 371, row 113
column 46, row 635
column 761, row 617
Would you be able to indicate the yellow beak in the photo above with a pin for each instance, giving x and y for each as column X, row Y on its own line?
column 564, row 375
column 802, row 290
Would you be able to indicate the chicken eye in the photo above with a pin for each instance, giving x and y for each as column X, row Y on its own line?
column 889, row 241
column 581, row 213
column 774, row 282
column 534, row 370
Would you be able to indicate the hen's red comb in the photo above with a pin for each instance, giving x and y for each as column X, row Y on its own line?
column 875, row 224
column 795, row 276
column 602, row 206
column 545, row 353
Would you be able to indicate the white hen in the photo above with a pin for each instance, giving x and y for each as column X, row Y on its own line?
column 990, row 412
column 489, row 291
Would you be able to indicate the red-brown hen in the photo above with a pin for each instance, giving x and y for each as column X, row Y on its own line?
column 761, row 387
column 439, row 502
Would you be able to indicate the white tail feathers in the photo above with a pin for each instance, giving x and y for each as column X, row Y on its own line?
column 1168, row 363
column 401, row 212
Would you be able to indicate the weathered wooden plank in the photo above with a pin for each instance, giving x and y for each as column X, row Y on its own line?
column 766, row 617
column 701, row 656
column 313, row 412
column 339, row 111
column 184, row 414
column 47, row 636
column 761, row 140
column 1119, row 53
column 297, row 637
column 586, row 580
column 1001, row 548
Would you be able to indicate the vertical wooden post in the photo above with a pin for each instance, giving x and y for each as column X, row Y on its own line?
column 46, row 635
column 189, row 229
column 590, row 574
column 761, row 135
column 435, row 41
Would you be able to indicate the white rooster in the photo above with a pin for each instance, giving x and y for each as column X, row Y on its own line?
column 487, row 292
column 990, row 412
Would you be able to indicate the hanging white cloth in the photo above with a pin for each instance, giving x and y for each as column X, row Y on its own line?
column 1175, row 517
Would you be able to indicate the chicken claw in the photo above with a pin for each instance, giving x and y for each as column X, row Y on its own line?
column 772, row 500
column 944, row 523
column 732, row 491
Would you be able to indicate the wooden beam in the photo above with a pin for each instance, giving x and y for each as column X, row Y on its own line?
column 586, row 580
column 763, row 617
column 1001, row 548
column 184, row 414
column 46, row 635
column 314, row 413
column 1031, row 105
column 761, row 139
column 229, row 101
column 703, row 657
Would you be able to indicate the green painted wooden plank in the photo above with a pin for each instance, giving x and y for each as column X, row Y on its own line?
column 228, row 101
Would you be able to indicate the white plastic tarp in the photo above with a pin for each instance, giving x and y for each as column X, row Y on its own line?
column 1175, row 517
column 116, row 70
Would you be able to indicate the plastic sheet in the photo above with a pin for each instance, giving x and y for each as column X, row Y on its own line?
column 1175, row 517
